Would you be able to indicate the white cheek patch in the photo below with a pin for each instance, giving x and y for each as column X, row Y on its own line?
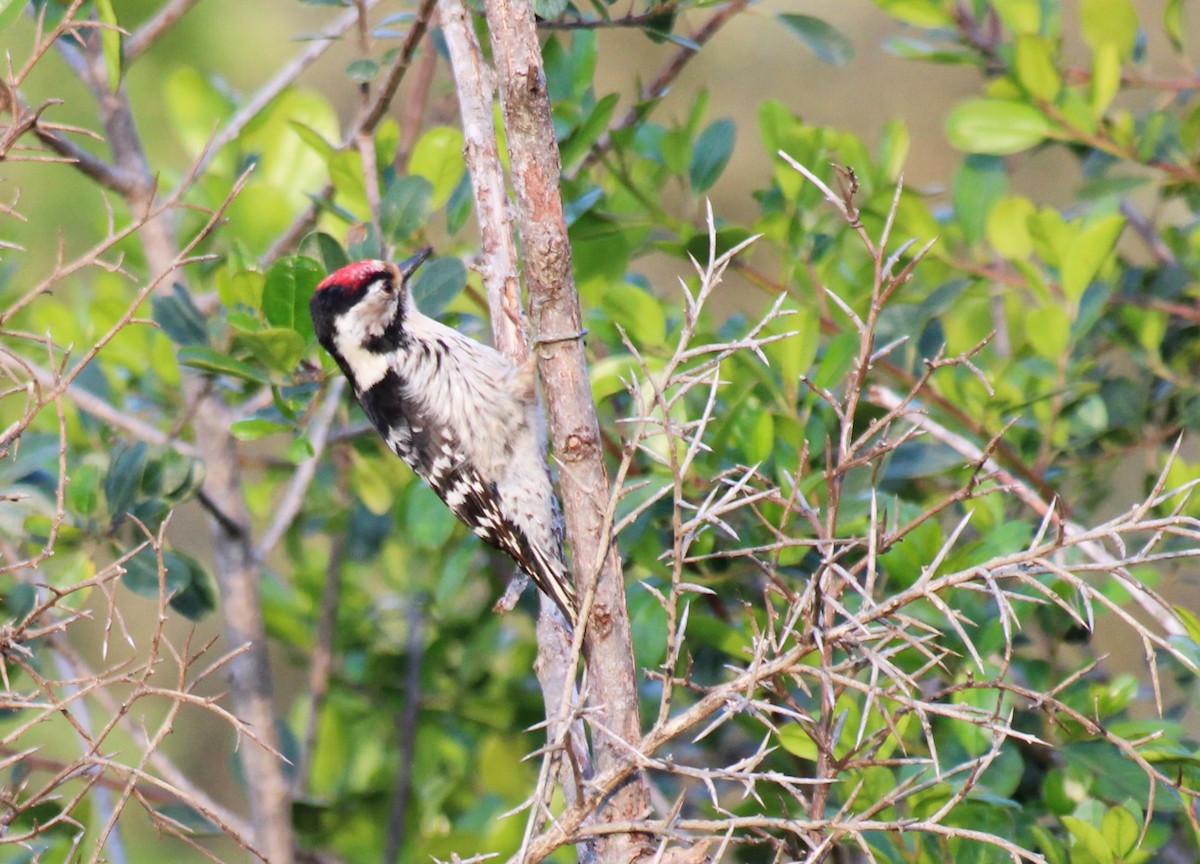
column 369, row 367
column 352, row 331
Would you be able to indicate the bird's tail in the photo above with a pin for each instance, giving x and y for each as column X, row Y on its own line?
column 550, row 575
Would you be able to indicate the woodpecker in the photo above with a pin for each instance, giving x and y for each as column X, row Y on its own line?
column 461, row 415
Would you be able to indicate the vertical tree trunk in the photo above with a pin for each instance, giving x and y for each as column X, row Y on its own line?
column 583, row 480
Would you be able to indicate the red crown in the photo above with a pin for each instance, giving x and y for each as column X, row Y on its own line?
column 357, row 275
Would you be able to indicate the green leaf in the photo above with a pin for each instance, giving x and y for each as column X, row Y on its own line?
column 1008, row 227
column 676, row 149
column 979, row 184
column 241, row 288
column 1020, row 16
column 647, row 623
column 333, row 256
column 1191, row 622
column 371, row 485
column 278, row 348
column 1050, row 846
column 577, row 207
column 996, row 126
column 362, row 70
column 797, row 742
column 916, row 459
column 1035, row 67
column 1048, row 330
column 313, row 139
column 792, row 357
column 387, row 143
column 208, row 360
column 919, row 49
column 438, row 157
column 638, row 311
column 110, row 42
column 404, row 206
column 758, row 436
column 1110, row 21
column 181, row 814
column 197, row 596
column 698, row 245
column 437, row 283
column 839, row 355
column 299, row 450
column 570, row 64
column 661, row 32
column 580, row 143
column 141, row 573
column 346, row 174
column 1106, row 77
column 10, row 11
column 179, row 318
column 711, row 154
column 83, row 493
column 1172, row 22
column 428, row 522
column 609, row 374
column 1089, row 839
column 549, row 9
column 180, row 477
column 289, row 286
column 922, row 13
column 18, row 601
column 825, row 40
column 777, row 126
column 894, row 143
column 458, row 208
column 253, row 428
column 124, row 477
column 194, row 106
column 1087, row 251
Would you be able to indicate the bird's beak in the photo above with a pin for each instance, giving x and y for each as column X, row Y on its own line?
column 409, row 265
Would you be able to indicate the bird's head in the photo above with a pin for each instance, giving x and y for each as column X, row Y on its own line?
column 363, row 304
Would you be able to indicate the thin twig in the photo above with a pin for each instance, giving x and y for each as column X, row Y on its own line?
column 406, row 732
column 292, row 501
column 662, row 80
column 163, row 20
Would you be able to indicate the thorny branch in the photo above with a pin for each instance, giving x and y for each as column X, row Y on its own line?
column 843, row 635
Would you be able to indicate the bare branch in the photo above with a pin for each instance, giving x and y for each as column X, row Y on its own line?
column 554, row 308
column 163, row 20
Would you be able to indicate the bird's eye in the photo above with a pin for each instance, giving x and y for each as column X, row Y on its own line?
column 383, row 284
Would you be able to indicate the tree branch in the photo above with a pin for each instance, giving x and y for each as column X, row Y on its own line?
column 235, row 568
column 379, row 105
column 475, row 84
column 282, row 79
column 110, row 414
column 293, row 497
column 661, row 82
column 554, row 305
column 162, row 21
column 367, row 121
